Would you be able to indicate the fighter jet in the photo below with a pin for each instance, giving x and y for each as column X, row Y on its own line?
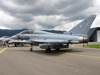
column 48, row 41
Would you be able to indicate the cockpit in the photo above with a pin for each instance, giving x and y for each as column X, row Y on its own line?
column 27, row 32
column 34, row 32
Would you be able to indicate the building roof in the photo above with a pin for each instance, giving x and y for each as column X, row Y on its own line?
column 92, row 30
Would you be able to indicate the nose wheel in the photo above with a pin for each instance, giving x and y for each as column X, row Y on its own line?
column 48, row 50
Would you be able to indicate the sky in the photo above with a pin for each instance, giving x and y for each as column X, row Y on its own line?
column 47, row 14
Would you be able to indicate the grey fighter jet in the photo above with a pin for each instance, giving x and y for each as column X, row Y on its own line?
column 48, row 41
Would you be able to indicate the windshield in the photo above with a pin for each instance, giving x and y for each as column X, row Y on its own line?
column 27, row 32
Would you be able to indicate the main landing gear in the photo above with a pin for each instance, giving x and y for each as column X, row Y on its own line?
column 57, row 49
column 15, row 44
column 31, row 49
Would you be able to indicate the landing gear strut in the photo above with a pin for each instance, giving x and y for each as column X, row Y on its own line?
column 67, row 45
column 15, row 44
column 8, row 45
column 57, row 49
column 48, row 50
column 31, row 49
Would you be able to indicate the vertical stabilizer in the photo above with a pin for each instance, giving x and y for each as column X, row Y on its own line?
column 84, row 26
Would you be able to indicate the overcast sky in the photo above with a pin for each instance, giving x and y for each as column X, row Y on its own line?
column 47, row 14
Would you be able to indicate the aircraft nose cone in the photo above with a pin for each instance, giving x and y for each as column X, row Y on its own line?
column 21, row 36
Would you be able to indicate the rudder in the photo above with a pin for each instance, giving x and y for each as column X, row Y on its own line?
column 84, row 26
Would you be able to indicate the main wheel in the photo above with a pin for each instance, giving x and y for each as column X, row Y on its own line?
column 15, row 44
column 31, row 49
column 57, row 49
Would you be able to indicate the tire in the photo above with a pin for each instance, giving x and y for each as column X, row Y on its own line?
column 48, row 50
column 31, row 49
column 57, row 49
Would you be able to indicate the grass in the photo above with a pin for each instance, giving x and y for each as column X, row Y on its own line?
column 93, row 46
column 4, row 46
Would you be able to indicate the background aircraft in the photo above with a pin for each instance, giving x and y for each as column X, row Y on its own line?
column 48, row 41
column 5, row 40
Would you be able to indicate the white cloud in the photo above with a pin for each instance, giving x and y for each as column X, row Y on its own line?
column 46, row 14
column 5, row 17
column 2, row 27
column 67, row 26
column 5, row 20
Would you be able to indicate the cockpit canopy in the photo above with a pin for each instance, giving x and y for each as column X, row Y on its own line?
column 34, row 31
column 27, row 32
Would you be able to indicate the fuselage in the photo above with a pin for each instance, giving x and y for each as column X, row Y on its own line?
column 53, row 36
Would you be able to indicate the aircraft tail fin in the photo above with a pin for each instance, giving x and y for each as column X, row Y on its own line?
column 84, row 26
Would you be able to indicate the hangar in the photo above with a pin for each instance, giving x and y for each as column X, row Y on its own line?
column 94, row 34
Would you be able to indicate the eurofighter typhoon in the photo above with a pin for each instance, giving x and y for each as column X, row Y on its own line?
column 48, row 40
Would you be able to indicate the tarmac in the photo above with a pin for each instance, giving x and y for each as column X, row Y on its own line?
column 75, row 60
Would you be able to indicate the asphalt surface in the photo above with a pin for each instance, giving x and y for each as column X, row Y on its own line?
column 72, row 61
